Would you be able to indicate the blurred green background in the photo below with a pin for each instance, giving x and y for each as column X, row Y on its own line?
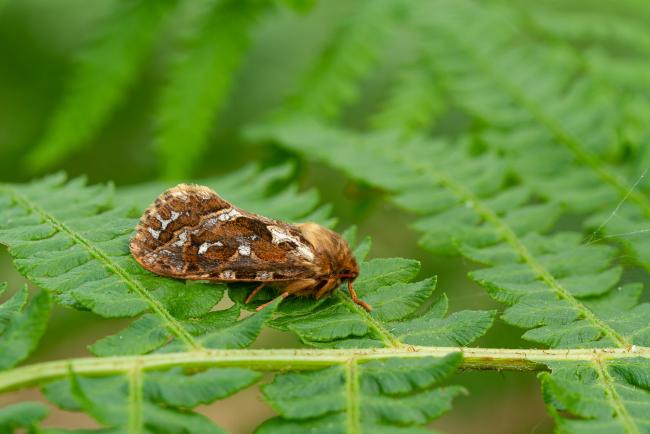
column 117, row 137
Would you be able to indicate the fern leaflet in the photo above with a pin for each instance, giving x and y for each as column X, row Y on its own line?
column 149, row 401
column 22, row 323
column 22, row 415
column 388, row 395
column 199, row 82
column 598, row 396
column 100, row 79
column 333, row 80
column 414, row 102
column 534, row 115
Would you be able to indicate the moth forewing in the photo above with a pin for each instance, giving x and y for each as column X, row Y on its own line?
column 189, row 232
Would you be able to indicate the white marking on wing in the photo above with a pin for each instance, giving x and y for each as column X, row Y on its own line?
column 279, row 236
column 154, row 233
column 229, row 215
column 206, row 245
column 210, row 222
column 305, row 252
column 164, row 223
column 182, row 239
column 244, row 250
column 227, row 274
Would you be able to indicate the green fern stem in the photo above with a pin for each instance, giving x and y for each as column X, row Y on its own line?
column 305, row 359
column 352, row 396
column 386, row 337
column 135, row 398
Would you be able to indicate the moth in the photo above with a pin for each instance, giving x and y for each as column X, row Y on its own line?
column 190, row 232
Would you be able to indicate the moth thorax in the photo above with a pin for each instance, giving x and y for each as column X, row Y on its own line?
column 332, row 247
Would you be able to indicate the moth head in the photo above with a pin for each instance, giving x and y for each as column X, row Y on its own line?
column 332, row 247
column 349, row 269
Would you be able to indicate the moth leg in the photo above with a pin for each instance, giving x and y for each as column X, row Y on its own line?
column 255, row 291
column 329, row 285
column 284, row 295
column 292, row 288
column 301, row 285
column 356, row 299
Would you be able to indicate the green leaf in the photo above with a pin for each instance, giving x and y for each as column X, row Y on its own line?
column 143, row 335
column 22, row 323
column 22, row 415
column 333, row 79
column 607, row 397
column 200, row 80
column 176, row 389
column 157, row 401
column 378, row 396
column 217, row 333
column 414, row 102
column 548, row 110
column 100, row 79
column 596, row 310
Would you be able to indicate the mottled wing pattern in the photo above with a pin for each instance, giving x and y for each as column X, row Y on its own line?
column 191, row 233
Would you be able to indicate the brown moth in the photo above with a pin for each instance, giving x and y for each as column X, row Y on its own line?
column 190, row 232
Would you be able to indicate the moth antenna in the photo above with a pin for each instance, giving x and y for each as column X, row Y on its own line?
column 284, row 295
column 356, row 299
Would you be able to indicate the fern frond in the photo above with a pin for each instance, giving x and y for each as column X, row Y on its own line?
column 150, row 401
column 586, row 26
column 468, row 206
column 533, row 114
column 100, row 80
column 508, row 91
column 333, row 80
column 414, row 101
column 598, row 396
column 389, row 395
column 396, row 318
column 70, row 239
column 53, row 241
column 22, row 415
column 199, row 82
column 22, row 323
